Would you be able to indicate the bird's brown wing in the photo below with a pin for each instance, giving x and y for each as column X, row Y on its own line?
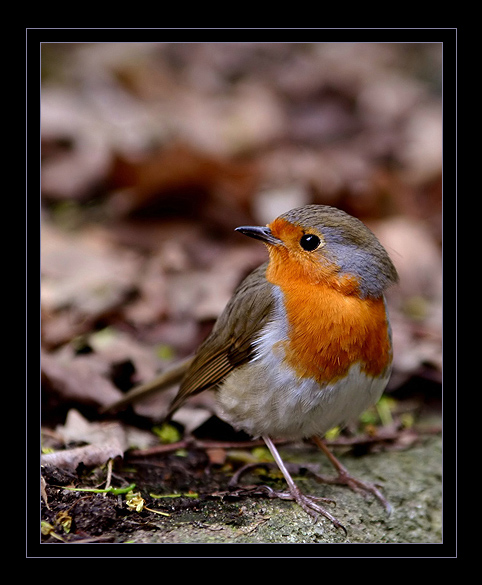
column 230, row 343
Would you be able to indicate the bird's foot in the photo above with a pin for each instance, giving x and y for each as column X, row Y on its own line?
column 345, row 478
column 310, row 504
column 357, row 485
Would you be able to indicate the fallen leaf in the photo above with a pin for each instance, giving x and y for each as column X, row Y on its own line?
column 183, row 180
column 73, row 172
column 77, row 429
column 81, row 378
column 89, row 455
column 105, row 440
column 415, row 254
column 84, row 272
column 216, row 456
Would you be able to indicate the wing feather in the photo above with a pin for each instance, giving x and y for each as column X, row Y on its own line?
column 230, row 343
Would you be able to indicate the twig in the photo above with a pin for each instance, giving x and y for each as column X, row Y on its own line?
column 193, row 443
column 43, row 491
column 382, row 435
column 109, row 473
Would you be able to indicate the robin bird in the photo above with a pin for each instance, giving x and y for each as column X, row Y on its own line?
column 304, row 344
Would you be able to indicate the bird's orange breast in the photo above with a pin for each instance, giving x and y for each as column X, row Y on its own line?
column 330, row 326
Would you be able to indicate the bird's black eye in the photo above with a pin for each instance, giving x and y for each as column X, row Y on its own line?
column 310, row 242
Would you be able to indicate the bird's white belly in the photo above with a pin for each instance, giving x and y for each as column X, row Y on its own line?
column 266, row 397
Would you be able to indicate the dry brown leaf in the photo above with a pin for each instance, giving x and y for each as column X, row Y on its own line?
column 89, row 455
column 104, row 441
column 82, row 378
column 182, row 179
column 415, row 254
column 204, row 294
column 84, row 272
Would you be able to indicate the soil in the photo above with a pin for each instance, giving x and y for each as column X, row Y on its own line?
column 200, row 507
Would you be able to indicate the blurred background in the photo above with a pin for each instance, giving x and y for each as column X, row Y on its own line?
column 153, row 153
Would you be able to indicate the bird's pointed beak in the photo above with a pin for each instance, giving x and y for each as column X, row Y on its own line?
column 259, row 233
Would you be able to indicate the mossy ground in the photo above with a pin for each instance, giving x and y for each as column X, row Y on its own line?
column 411, row 479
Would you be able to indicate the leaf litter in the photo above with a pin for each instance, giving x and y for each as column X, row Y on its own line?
column 145, row 176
